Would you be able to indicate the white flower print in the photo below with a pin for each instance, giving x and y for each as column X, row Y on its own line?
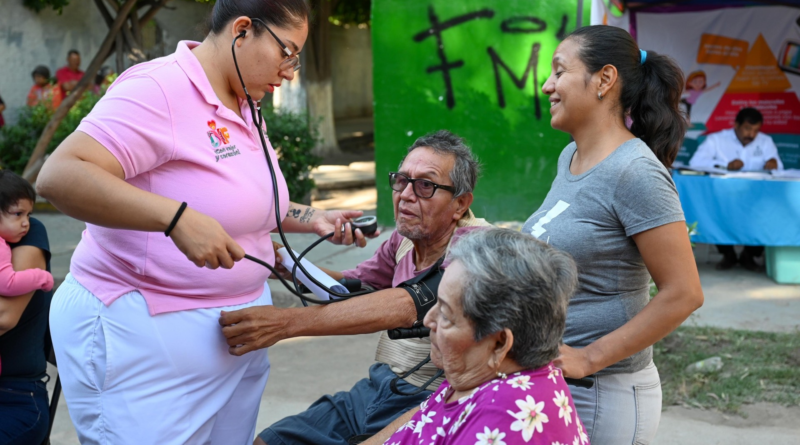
column 445, row 420
column 426, row 418
column 439, row 397
column 564, row 410
column 424, row 405
column 530, row 418
column 554, row 372
column 523, row 382
column 462, row 418
column 581, row 432
column 576, row 441
column 407, row 426
column 490, row 437
column 557, row 443
column 439, row 432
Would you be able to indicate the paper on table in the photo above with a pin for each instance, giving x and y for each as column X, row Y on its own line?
column 715, row 170
column 749, row 175
column 791, row 173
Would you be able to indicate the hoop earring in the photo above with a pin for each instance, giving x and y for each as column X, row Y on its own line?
column 599, row 96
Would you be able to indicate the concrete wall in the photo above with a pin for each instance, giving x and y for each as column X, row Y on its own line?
column 352, row 72
column 28, row 39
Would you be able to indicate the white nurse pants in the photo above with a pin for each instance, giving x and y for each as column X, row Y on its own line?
column 132, row 378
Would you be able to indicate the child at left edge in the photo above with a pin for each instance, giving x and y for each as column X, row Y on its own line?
column 16, row 205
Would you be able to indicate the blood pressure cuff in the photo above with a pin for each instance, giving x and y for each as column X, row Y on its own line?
column 424, row 289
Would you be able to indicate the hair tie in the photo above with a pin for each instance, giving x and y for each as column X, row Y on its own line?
column 644, row 56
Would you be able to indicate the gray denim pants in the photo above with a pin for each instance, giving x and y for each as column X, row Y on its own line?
column 621, row 409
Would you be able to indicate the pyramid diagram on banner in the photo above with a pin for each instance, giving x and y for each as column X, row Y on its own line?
column 760, row 73
column 759, row 83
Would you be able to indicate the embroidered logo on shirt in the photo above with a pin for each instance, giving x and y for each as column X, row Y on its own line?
column 218, row 137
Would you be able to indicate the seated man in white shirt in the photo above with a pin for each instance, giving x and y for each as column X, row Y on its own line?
column 744, row 148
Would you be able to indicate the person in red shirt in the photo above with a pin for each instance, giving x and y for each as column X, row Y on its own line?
column 68, row 76
column 42, row 90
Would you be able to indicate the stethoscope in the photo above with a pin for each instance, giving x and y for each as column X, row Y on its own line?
column 368, row 226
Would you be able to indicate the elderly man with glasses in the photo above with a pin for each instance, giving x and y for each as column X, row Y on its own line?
column 432, row 195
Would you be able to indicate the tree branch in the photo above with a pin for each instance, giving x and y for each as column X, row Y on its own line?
column 152, row 11
column 34, row 163
column 104, row 12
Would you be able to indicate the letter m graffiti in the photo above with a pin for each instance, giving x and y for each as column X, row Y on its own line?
column 519, row 82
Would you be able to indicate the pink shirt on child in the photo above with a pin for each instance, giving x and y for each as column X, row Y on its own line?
column 13, row 283
column 173, row 137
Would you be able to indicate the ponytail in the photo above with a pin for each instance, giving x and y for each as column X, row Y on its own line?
column 657, row 120
column 651, row 86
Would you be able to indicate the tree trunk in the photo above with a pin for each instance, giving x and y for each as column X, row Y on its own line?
column 318, row 82
column 114, row 40
column 320, row 108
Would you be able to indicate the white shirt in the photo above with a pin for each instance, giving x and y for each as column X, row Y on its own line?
column 722, row 147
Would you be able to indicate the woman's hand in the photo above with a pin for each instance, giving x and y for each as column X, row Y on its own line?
column 282, row 271
column 334, row 220
column 203, row 240
column 574, row 362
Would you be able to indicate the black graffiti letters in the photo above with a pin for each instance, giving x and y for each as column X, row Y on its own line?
column 436, row 30
column 523, row 25
column 520, row 82
column 513, row 25
column 562, row 31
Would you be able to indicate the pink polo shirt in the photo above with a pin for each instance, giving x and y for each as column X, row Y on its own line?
column 173, row 137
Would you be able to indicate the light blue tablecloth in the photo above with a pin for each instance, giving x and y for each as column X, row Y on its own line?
column 741, row 211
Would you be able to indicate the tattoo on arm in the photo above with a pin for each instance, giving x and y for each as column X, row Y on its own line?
column 307, row 215
column 294, row 213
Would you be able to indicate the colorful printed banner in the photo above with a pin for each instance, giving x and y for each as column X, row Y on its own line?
column 731, row 61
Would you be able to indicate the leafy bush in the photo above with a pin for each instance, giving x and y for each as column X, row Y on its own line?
column 290, row 133
column 17, row 141
column 294, row 139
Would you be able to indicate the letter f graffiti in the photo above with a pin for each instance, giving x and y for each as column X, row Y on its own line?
column 436, row 30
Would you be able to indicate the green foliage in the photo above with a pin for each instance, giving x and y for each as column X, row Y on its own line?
column 351, row 12
column 293, row 139
column 39, row 5
column 757, row 367
column 17, row 141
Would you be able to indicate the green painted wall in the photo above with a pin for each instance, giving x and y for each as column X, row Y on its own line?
column 515, row 142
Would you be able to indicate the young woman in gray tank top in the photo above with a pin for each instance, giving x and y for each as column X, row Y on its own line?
column 614, row 208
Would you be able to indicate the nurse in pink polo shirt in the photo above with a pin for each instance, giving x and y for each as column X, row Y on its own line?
column 135, row 325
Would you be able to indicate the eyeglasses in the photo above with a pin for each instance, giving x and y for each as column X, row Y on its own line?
column 293, row 60
column 422, row 187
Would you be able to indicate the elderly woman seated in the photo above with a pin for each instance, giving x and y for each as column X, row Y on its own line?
column 495, row 330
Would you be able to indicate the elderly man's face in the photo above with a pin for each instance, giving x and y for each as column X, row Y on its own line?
column 453, row 346
column 420, row 218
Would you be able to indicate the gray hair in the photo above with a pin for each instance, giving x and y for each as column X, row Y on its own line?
column 466, row 170
column 512, row 280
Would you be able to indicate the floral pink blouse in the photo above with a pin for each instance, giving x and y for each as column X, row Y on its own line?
column 529, row 407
